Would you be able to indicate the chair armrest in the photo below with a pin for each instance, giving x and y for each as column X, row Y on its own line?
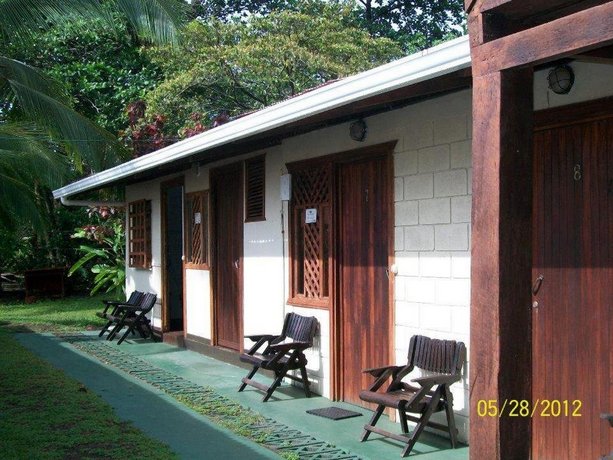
column 438, row 379
column 378, row 371
column 257, row 338
column 285, row 347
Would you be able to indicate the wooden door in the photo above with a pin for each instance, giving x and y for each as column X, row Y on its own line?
column 172, row 243
column 364, row 230
column 227, row 202
column 572, row 348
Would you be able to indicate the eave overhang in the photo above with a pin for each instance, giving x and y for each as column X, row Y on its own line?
column 440, row 61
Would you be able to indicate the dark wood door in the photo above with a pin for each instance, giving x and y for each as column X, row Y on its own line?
column 227, row 200
column 572, row 348
column 364, row 201
column 173, row 254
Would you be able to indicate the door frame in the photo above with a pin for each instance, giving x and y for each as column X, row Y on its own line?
column 213, row 191
column 164, row 186
column 380, row 151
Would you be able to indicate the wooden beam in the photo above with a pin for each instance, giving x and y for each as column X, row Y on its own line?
column 501, row 254
column 574, row 34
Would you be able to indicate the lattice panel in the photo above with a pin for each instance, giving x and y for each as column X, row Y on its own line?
column 312, row 186
column 139, row 231
column 196, row 243
column 196, row 230
column 312, row 259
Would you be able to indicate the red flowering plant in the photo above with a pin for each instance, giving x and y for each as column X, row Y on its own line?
column 144, row 136
column 103, row 250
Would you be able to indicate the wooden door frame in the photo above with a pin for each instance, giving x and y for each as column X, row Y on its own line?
column 380, row 151
column 164, row 186
column 213, row 174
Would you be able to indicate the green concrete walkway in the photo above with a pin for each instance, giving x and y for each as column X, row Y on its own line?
column 193, row 436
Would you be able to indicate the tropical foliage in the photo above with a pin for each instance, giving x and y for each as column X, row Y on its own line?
column 103, row 250
column 228, row 68
column 54, row 127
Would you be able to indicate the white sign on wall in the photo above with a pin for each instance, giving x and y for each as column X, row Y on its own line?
column 310, row 216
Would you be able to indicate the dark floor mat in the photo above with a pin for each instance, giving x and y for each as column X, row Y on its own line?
column 334, row 413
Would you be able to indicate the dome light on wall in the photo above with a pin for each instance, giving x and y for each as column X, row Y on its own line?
column 561, row 79
column 358, row 130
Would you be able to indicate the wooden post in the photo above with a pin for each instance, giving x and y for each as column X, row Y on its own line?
column 500, row 352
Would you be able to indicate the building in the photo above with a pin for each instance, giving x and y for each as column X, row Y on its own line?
column 427, row 196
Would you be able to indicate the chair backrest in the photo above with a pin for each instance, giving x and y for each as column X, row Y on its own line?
column 441, row 356
column 147, row 302
column 135, row 298
column 299, row 328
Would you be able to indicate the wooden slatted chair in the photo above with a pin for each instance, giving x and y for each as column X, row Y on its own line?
column 134, row 318
column 441, row 362
column 110, row 309
column 282, row 353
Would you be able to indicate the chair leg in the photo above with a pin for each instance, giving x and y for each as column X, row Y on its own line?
column 423, row 422
column 305, row 382
column 453, row 432
column 402, row 415
column 105, row 328
column 123, row 337
column 373, row 421
column 249, row 375
column 275, row 384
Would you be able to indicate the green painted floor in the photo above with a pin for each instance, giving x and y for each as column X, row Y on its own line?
column 194, row 436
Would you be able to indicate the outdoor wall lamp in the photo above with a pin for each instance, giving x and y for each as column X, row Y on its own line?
column 561, row 79
column 358, row 130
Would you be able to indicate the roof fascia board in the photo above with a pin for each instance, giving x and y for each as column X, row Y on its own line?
column 428, row 64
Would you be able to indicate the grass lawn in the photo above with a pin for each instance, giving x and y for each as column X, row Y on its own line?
column 43, row 413
column 68, row 314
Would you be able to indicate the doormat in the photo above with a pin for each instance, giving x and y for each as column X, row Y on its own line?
column 334, row 413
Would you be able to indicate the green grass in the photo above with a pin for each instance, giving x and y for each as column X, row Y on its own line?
column 43, row 413
column 68, row 314
column 46, row 415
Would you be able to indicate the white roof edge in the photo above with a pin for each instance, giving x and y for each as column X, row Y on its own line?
column 425, row 65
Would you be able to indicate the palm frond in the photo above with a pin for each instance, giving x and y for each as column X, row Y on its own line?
column 157, row 21
column 28, row 164
column 20, row 17
column 85, row 141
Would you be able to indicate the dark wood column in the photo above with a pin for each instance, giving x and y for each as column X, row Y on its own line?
column 500, row 343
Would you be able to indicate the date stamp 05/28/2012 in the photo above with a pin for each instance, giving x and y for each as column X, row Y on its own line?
column 525, row 408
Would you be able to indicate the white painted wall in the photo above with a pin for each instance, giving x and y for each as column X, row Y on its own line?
column 432, row 184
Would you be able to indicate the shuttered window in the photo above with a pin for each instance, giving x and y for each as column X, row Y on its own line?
column 197, row 230
column 139, row 234
column 255, row 190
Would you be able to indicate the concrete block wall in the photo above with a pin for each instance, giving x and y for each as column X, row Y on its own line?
column 432, row 229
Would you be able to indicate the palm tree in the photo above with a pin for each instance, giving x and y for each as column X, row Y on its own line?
column 40, row 154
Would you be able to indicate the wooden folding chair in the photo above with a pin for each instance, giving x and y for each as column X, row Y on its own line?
column 134, row 317
column 110, row 309
column 283, row 353
column 441, row 362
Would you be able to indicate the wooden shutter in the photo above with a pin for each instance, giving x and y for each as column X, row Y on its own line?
column 139, row 234
column 255, row 190
column 197, row 230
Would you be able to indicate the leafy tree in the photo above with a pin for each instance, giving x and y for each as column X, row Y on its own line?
column 415, row 24
column 229, row 68
column 28, row 94
column 102, row 68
